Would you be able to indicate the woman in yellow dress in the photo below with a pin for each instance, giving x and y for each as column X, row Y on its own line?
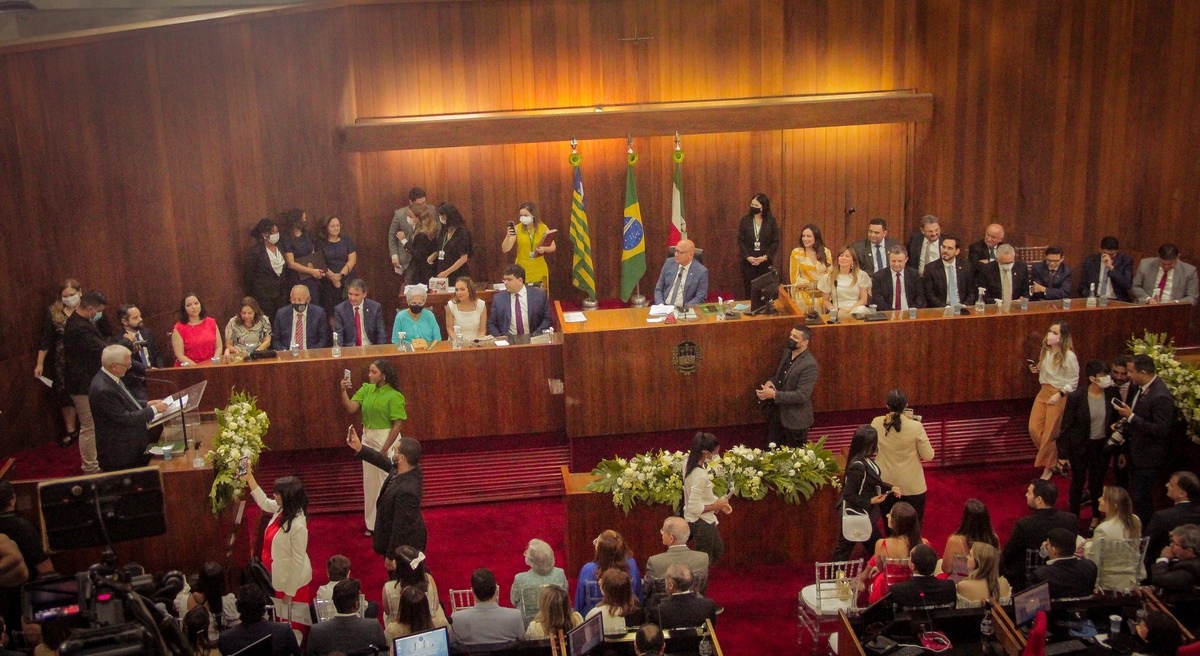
column 808, row 263
column 528, row 239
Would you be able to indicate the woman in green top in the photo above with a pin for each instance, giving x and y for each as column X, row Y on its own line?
column 382, row 408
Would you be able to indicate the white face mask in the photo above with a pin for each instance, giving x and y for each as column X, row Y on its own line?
column 1104, row 382
column 526, row 220
column 274, row 238
column 71, row 301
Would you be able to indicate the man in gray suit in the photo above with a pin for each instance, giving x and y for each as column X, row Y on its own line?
column 675, row 534
column 486, row 622
column 872, row 252
column 404, row 224
column 346, row 632
column 1164, row 278
column 787, row 397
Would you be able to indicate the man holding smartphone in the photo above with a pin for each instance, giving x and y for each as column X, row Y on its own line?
column 1151, row 416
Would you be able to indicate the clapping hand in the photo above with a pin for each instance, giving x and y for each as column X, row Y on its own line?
column 767, row 391
column 352, row 439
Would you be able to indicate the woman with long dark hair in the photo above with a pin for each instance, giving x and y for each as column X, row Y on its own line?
column 383, row 412
column 611, row 553
column 306, row 263
column 758, row 240
column 1057, row 370
column 700, row 503
column 808, row 264
column 904, row 528
column 411, row 572
column 619, row 607
column 196, row 623
column 863, row 488
column 975, row 526
column 196, row 338
column 285, row 549
column 903, row 445
column 454, row 244
column 209, row 592
column 412, row 615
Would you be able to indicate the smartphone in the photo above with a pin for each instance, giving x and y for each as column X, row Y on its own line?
column 512, row 228
column 1116, row 403
column 346, row 375
column 1030, row 361
column 243, row 467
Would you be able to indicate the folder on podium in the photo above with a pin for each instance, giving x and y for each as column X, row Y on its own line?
column 180, row 403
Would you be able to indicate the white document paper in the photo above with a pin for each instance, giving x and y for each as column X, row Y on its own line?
column 574, row 317
column 661, row 310
column 501, row 342
column 46, row 381
column 655, row 319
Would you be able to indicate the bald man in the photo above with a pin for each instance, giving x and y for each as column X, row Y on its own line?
column 683, row 281
column 302, row 323
column 675, row 533
column 984, row 250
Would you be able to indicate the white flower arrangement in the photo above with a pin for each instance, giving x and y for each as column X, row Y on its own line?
column 1182, row 380
column 657, row 478
column 240, row 430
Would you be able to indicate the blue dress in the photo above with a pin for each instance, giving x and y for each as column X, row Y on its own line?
column 583, row 604
column 424, row 326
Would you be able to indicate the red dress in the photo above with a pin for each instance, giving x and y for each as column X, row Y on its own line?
column 199, row 341
column 899, row 572
column 300, row 616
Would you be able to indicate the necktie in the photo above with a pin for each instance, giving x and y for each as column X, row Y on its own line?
column 357, row 326
column 951, row 285
column 144, row 355
column 1162, row 284
column 1006, row 284
column 517, row 312
column 676, row 288
column 121, row 384
column 298, row 337
column 925, row 251
column 1103, row 280
column 992, row 253
column 899, row 302
column 878, row 257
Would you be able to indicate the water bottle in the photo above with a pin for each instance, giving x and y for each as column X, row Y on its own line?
column 337, row 346
column 1025, row 302
column 1067, row 303
column 167, row 449
column 198, row 461
column 912, row 313
column 980, row 306
column 1104, row 301
column 457, row 342
column 400, row 341
column 1091, row 299
column 720, row 309
column 295, row 350
column 987, row 635
column 833, row 314
column 706, row 647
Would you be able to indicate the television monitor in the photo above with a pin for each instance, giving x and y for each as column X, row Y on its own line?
column 426, row 643
column 763, row 291
column 130, row 501
column 1028, row 602
column 584, row 638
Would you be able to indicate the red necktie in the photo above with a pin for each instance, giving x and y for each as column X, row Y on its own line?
column 520, row 321
column 1162, row 284
column 899, row 294
column 298, row 338
column 357, row 326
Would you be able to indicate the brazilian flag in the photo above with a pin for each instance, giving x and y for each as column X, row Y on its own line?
column 633, row 253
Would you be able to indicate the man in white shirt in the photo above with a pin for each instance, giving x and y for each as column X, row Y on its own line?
column 1165, row 278
column 924, row 246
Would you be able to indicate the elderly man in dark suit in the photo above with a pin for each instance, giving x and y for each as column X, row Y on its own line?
column 872, row 251
column 924, row 245
column 358, row 320
column 949, row 270
column 1051, row 278
column 683, row 281
column 1110, row 270
column 346, row 632
column 1030, row 531
column 121, row 419
column 986, row 250
column 302, row 323
column 1183, row 489
column 683, row 607
column 1177, row 568
column 1003, row 278
column 896, row 276
column 1068, row 575
column 519, row 309
column 789, row 392
column 1151, row 416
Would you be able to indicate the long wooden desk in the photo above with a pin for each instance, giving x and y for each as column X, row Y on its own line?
column 620, row 378
column 492, row 390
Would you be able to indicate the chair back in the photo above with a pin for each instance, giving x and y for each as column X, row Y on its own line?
column 837, row 584
column 461, row 599
column 1035, row 644
column 895, row 570
column 527, row 602
column 1120, row 563
column 958, row 568
column 1189, row 650
column 591, row 593
column 324, row 608
column 1033, row 560
column 656, row 590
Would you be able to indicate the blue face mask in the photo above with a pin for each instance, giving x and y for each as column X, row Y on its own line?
column 96, row 317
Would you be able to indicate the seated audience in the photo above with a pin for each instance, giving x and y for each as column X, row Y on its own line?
column 903, row 445
column 1110, row 270
column 249, row 331
column 196, row 628
column 466, row 310
column 948, row 280
column 682, row 281
column 896, row 276
column 1165, row 278
column 618, row 608
column 1177, row 568
column 27, row 538
column 1050, row 279
column 415, row 322
column 358, row 320
column 1183, row 489
column 411, row 571
column 209, row 593
column 1161, row 634
column 196, row 337
column 610, row 552
column 519, row 309
column 554, row 614
column 1120, row 524
column 338, row 569
column 675, row 533
column 872, row 250
column 845, row 285
column 486, row 622
column 540, row 558
column 923, row 589
column 683, row 608
column 1004, row 278
column 904, row 528
column 137, row 338
column 1069, row 576
column 987, row 250
column 411, row 615
column 924, row 244
column 975, row 526
column 302, row 323
column 252, row 604
column 1084, row 433
column 649, row 641
column 1030, row 531
column 983, row 578
column 346, row 632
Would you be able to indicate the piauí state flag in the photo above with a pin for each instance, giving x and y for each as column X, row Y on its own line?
column 583, row 274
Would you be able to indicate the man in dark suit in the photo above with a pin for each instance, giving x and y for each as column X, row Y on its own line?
column 121, row 435
column 896, row 275
column 1068, row 575
column 398, row 519
column 1177, row 568
column 1003, row 278
column 924, row 246
column 1084, row 434
column 649, row 641
column 358, row 320
column 1183, row 489
column 683, row 281
column 252, row 607
column 937, row 280
column 308, row 317
column 683, row 608
column 789, row 392
column 924, row 589
column 84, row 339
column 520, row 309
column 1151, row 416
column 1110, row 270
column 346, row 632
column 140, row 341
column 1030, row 531
column 1051, row 278
column 872, row 252
column 985, row 250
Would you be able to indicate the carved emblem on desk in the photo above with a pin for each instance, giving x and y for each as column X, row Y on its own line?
column 686, row 357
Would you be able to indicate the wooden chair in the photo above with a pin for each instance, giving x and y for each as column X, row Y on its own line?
column 527, row 602
column 461, row 599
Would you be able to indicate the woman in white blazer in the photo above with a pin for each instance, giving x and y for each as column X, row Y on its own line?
column 285, row 549
column 903, row 444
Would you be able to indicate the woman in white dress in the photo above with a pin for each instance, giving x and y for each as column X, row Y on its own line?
column 466, row 310
column 853, row 284
column 1122, row 567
